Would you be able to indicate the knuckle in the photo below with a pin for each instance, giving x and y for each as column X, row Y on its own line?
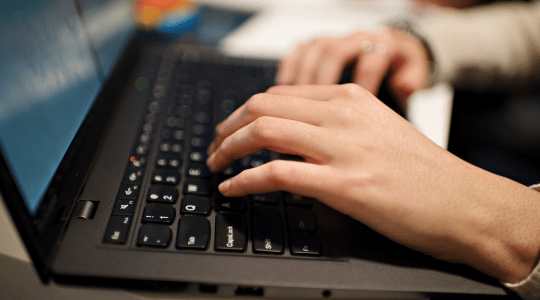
column 225, row 147
column 277, row 174
column 338, row 49
column 220, row 131
column 255, row 105
column 261, row 129
column 241, row 181
column 351, row 89
column 324, row 42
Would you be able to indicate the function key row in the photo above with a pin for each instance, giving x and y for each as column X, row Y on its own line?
column 126, row 199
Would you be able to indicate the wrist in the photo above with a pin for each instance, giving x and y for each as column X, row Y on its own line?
column 503, row 239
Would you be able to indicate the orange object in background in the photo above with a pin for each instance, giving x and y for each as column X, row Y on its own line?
column 150, row 13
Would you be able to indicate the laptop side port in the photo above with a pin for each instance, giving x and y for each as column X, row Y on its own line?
column 249, row 291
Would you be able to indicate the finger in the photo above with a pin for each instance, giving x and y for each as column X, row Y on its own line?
column 312, row 92
column 279, row 135
column 310, row 63
column 371, row 69
column 341, row 54
column 279, row 175
column 410, row 77
column 279, row 106
column 289, row 66
column 332, row 67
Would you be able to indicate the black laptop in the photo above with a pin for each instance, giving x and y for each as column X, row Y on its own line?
column 103, row 145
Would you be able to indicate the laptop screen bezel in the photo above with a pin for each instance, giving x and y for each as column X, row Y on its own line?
column 41, row 232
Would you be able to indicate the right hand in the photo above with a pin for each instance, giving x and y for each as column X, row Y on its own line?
column 393, row 51
column 364, row 160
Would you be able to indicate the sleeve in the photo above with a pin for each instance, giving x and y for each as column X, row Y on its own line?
column 494, row 46
column 529, row 288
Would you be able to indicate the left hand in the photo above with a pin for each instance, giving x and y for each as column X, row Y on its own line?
column 364, row 160
column 400, row 55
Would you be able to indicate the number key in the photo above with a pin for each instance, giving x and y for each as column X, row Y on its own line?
column 162, row 193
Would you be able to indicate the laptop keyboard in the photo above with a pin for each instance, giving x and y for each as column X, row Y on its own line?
column 168, row 198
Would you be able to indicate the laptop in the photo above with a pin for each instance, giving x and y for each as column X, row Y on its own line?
column 103, row 138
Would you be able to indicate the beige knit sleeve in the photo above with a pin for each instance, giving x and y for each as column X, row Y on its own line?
column 491, row 47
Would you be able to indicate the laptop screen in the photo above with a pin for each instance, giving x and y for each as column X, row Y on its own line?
column 55, row 56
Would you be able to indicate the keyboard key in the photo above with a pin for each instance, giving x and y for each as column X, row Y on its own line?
column 230, row 232
column 166, row 176
column 172, row 110
column 264, row 154
column 145, row 137
column 198, row 156
column 118, row 229
column 200, row 143
column 137, row 162
column 148, row 127
column 294, row 199
column 197, row 205
column 300, row 219
column 128, row 191
column 267, row 198
column 193, row 232
column 142, row 149
column 184, row 111
column 204, row 96
column 186, row 89
column 168, row 161
column 196, row 186
column 204, row 85
column 304, row 244
column 159, row 213
column 267, row 229
column 257, row 161
column 184, row 99
column 124, row 207
column 198, row 170
column 154, row 235
column 172, row 148
column 232, row 204
column 162, row 193
column 234, row 170
column 173, row 134
column 133, row 177
column 202, row 117
column 175, row 122
column 153, row 107
column 202, row 130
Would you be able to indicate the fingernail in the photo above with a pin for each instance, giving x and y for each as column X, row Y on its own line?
column 224, row 186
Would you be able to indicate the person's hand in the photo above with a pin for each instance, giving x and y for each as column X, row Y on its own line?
column 323, row 60
column 364, row 160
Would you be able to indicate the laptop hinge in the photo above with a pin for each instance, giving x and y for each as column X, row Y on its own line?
column 84, row 210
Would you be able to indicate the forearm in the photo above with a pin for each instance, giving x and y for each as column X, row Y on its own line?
column 490, row 47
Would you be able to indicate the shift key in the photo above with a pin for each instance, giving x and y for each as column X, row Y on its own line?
column 230, row 232
column 267, row 229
